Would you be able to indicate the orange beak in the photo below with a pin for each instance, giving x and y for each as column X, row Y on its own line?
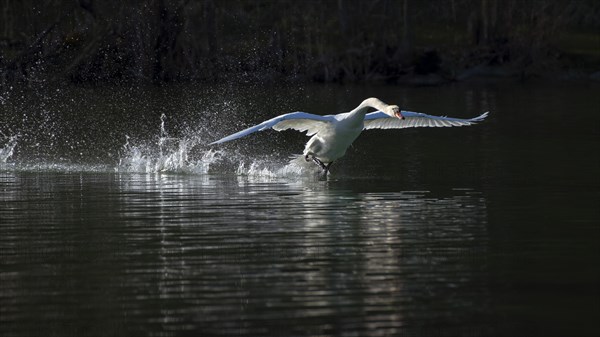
column 399, row 115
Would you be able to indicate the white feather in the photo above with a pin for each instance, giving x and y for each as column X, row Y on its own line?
column 380, row 120
column 300, row 121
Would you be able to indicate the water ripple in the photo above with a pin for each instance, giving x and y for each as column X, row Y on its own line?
column 177, row 253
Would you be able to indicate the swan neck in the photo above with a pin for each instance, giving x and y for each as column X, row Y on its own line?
column 372, row 102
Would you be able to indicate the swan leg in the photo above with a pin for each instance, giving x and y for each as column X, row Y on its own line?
column 320, row 163
column 323, row 166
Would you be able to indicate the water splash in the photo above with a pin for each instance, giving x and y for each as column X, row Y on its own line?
column 173, row 156
column 296, row 166
column 162, row 153
column 8, row 149
column 169, row 155
column 187, row 154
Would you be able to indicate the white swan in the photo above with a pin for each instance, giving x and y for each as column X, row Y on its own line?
column 333, row 134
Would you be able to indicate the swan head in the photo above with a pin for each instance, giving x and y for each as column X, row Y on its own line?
column 394, row 111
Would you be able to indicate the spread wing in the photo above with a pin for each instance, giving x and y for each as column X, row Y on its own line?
column 300, row 121
column 379, row 120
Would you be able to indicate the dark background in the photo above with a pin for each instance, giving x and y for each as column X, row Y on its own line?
column 404, row 41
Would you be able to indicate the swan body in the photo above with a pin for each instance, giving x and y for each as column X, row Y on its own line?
column 331, row 135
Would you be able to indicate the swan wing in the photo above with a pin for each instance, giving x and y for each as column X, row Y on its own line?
column 379, row 120
column 300, row 121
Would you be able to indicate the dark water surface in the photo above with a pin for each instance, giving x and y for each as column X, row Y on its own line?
column 114, row 221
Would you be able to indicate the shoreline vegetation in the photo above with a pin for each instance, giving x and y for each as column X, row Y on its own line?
column 401, row 42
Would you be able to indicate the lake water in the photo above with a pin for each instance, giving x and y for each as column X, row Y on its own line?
column 117, row 219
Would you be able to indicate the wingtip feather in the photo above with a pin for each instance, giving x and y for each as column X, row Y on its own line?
column 480, row 117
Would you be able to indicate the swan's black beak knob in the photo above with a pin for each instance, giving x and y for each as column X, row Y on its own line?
column 399, row 115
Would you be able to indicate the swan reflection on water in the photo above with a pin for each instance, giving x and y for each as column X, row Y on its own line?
column 305, row 249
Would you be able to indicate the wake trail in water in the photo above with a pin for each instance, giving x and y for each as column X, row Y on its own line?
column 187, row 154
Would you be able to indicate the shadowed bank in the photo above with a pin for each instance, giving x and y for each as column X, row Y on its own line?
column 412, row 42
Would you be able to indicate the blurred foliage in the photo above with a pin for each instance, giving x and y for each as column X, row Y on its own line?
column 90, row 41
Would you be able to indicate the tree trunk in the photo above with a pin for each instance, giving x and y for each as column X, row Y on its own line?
column 484, row 22
column 170, row 25
column 211, row 26
column 408, row 32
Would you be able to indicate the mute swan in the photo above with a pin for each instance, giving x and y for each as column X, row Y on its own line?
column 333, row 134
